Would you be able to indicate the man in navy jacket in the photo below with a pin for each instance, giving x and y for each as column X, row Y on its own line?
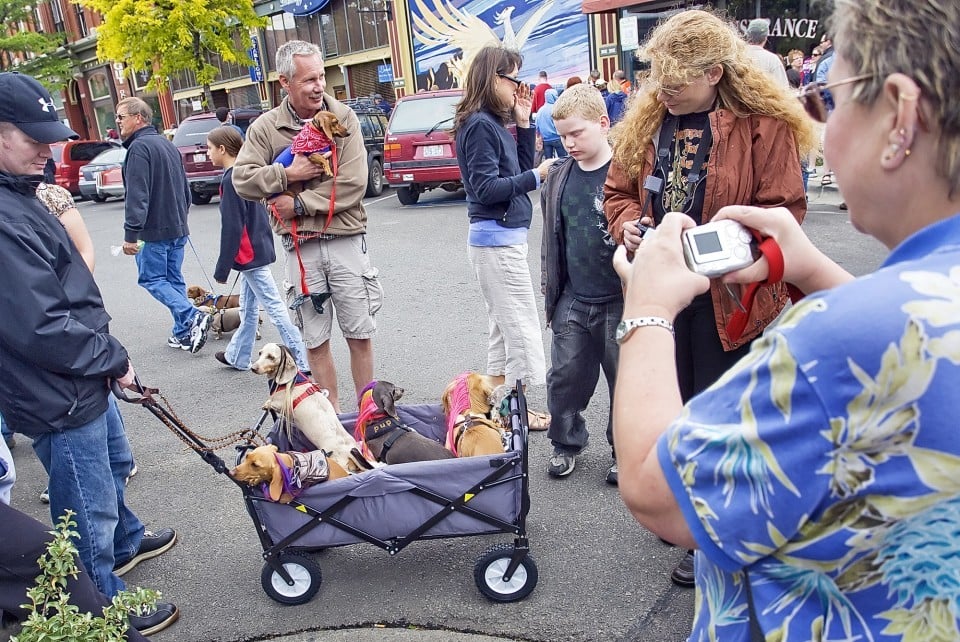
column 155, row 213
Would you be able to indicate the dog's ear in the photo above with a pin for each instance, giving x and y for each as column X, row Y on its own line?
column 273, row 447
column 286, row 367
column 276, row 482
column 384, row 395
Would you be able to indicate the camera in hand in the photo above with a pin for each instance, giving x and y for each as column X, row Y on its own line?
column 718, row 247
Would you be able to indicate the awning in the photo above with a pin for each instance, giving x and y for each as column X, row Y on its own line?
column 596, row 6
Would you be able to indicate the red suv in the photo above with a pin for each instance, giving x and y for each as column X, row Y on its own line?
column 418, row 152
column 191, row 141
column 71, row 155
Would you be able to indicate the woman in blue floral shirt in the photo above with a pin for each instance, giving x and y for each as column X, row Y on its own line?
column 818, row 478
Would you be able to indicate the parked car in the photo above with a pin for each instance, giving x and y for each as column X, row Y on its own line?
column 419, row 154
column 110, row 159
column 191, row 140
column 71, row 155
column 110, row 182
column 373, row 126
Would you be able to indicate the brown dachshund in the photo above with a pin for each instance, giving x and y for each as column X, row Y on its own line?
column 262, row 465
column 201, row 296
column 316, row 138
column 477, row 435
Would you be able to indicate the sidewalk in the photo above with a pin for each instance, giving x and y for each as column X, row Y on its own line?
column 384, row 634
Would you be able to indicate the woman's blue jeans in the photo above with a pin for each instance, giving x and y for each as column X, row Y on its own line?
column 88, row 468
column 257, row 287
column 161, row 274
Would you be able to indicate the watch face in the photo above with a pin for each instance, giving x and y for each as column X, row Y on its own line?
column 621, row 330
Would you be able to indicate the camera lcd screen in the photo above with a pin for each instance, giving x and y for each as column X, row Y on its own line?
column 708, row 243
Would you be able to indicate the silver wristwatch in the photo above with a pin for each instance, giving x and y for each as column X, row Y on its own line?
column 627, row 326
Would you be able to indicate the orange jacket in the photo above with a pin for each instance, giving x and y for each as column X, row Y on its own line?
column 754, row 161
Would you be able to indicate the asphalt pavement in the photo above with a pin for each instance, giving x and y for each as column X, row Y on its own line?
column 602, row 577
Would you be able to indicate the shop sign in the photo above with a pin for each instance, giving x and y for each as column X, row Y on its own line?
column 788, row 27
column 384, row 73
column 256, row 69
column 629, row 34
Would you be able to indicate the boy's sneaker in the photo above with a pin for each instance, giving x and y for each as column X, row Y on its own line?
column 152, row 545
column 156, row 620
column 561, row 464
column 198, row 331
column 45, row 495
column 179, row 344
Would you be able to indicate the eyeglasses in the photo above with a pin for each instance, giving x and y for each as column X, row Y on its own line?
column 669, row 90
column 515, row 81
column 815, row 97
column 120, row 117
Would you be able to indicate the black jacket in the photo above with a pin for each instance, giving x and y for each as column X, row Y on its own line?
column 246, row 240
column 496, row 170
column 553, row 265
column 157, row 192
column 56, row 352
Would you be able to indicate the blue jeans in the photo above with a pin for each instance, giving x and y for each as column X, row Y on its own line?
column 88, row 467
column 258, row 287
column 583, row 343
column 160, row 264
column 554, row 149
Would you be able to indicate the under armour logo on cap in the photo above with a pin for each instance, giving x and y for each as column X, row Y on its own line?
column 25, row 103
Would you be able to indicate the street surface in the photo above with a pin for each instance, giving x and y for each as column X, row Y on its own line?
column 602, row 576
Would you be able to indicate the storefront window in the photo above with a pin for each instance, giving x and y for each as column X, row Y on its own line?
column 99, row 86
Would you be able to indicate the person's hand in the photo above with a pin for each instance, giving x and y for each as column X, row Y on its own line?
column 522, row 105
column 800, row 257
column 544, row 167
column 303, row 169
column 283, row 205
column 128, row 380
column 658, row 282
column 131, row 248
column 631, row 232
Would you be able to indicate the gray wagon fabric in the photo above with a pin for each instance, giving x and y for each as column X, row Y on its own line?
column 383, row 504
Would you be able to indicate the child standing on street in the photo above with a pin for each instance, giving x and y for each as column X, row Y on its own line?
column 246, row 245
column 582, row 292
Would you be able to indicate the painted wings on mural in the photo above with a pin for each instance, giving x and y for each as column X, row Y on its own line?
column 444, row 24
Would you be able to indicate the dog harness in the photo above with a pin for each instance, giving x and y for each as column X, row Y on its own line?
column 386, row 426
column 301, row 379
column 308, row 470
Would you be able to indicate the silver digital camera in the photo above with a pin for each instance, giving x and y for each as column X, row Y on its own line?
column 719, row 247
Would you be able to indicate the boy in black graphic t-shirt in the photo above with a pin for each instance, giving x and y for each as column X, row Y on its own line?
column 583, row 296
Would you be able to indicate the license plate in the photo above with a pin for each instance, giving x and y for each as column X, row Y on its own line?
column 432, row 151
column 199, row 158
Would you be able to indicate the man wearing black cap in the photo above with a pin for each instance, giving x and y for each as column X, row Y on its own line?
column 59, row 357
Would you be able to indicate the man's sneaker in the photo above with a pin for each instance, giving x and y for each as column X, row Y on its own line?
column 151, row 545
column 561, row 464
column 179, row 344
column 198, row 331
column 156, row 620
column 613, row 475
column 45, row 495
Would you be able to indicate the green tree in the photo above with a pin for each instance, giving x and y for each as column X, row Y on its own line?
column 28, row 52
column 171, row 36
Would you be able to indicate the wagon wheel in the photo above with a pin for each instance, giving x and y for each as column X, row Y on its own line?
column 490, row 567
column 306, row 579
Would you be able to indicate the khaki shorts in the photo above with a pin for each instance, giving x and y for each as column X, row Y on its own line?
column 340, row 266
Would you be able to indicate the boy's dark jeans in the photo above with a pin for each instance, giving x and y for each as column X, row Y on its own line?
column 583, row 343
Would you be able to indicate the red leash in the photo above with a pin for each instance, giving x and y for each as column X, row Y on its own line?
column 771, row 250
column 293, row 223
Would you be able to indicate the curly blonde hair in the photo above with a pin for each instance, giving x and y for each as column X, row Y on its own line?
column 685, row 47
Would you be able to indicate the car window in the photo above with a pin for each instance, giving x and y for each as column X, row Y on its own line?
column 423, row 114
column 366, row 126
column 87, row 151
column 114, row 155
column 194, row 132
column 376, row 125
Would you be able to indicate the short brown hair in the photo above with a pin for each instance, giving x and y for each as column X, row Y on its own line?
column 228, row 138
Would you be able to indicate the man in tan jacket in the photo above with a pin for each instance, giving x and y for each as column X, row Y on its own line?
column 323, row 227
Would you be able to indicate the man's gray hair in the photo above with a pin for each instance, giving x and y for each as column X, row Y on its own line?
column 291, row 48
column 757, row 31
column 136, row 107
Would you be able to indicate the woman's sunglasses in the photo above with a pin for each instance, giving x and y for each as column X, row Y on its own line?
column 515, row 81
column 815, row 97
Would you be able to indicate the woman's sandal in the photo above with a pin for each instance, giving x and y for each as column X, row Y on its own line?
column 538, row 420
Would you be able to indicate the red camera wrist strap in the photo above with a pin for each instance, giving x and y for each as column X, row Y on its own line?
column 771, row 250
